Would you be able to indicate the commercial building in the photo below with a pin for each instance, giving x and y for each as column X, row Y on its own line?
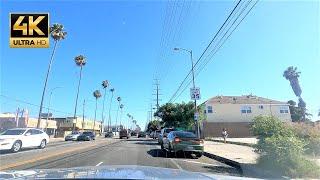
column 22, row 120
column 65, row 125
column 236, row 114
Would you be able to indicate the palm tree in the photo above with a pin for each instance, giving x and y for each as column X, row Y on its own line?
column 292, row 75
column 57, row 33
column 121, row 107
column 109, row 121
column 80, row 61
column 105, row 85
column 129, row 116
column 97, row 95
column 119, row 100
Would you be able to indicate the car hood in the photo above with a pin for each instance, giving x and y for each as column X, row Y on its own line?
column 111, row 172
column 9, row 136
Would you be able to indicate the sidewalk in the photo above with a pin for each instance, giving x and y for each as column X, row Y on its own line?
column 52, row 139
column 237, row 153
column 242, row 157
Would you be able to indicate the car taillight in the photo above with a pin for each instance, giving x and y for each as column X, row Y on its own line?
column 177, row 140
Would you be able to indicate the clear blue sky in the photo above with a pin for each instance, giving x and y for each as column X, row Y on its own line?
column 122, row 43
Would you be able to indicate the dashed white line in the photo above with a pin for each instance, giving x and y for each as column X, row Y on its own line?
column 176, row 164
column 99, row 163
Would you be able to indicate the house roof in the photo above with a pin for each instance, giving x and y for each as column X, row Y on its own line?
column 244, row 99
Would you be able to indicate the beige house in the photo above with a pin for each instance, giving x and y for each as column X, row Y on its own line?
column 236, row 113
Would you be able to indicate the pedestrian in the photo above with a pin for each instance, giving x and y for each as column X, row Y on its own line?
column 224, row 135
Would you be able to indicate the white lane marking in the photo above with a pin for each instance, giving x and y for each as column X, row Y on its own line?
column 208, row 164
column 176, row 164
column 99, row 163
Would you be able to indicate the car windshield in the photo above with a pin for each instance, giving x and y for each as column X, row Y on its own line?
column 14, row 132
column 114, row 82
column 185, row 134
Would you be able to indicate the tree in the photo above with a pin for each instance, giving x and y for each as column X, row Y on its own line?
column 109, row 121
column 119, row 100
column 177, row 115
column 121, row 107
column 292, row 75
column 97, row 95
column 296, row 112
column 153, row 125
column 80, row 61
column 105, row 85
column 57, row 33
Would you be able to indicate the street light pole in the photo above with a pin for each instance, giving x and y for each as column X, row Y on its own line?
column 49, row 107
column 194, row 86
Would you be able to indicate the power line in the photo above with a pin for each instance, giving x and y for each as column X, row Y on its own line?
column 31, row 104
column 212, row 40
column 215, row 50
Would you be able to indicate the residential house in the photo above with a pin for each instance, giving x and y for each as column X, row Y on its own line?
column 236, row 114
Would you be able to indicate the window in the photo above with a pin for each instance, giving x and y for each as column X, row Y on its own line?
column 260, row 106
column 245, row 109
column 284, row 110
column 35, row 131
column 209, row 108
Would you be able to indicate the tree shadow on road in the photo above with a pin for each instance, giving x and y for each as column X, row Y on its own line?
column 164, row 154
column 223, row 170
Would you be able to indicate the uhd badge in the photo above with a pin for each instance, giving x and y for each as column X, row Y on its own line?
column 29, row 30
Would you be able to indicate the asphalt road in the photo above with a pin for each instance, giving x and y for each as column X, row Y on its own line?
column 134, row 151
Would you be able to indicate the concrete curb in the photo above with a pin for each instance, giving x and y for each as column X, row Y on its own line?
column 245, row 169
column 232, row 142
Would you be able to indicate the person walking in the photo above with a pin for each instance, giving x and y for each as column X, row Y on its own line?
column 224, row 135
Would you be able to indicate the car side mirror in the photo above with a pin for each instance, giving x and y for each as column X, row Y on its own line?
column 27, row 134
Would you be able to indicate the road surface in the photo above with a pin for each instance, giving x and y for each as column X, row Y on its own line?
column 134, row 151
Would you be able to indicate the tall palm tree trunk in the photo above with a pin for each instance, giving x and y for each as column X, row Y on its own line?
column 75, row 107
column 95, row 115
column 117, row 117
column 45, row 83
column 102, row 116
column 109, row 121
column 120, row 119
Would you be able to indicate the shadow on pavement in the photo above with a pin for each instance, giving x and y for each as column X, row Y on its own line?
column 223, row 169
column 139, row 139
column 147, row 143
column 2, row 152
column 164, row 154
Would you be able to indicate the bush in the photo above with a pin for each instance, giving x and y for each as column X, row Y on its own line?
column 311, row 134
column 282, row 148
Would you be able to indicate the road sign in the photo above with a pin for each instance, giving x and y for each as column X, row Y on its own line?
column 195, row 93
column 196, row 116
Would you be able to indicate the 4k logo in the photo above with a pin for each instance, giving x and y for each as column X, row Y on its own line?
column 29, row 30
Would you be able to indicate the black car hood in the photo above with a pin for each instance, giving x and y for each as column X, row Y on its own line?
column 110, row 172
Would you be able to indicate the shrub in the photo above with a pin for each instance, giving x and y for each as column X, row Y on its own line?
column 282, row 148
column 311, row 134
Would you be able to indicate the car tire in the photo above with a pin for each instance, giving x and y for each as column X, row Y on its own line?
column 16, row 146
column 43, row 144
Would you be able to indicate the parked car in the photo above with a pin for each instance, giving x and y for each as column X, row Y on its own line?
column 73, row 136
column 18, row 138
column 124, row 134
column 163, row 134
column 182, row 141
column 142, row 134
column 86, row 136
column 108, row 134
